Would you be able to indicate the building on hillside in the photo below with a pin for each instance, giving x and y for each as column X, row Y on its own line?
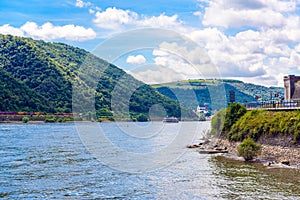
column 203, row 109
column 291, row 87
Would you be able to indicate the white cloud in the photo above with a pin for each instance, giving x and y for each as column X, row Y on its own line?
column 263, row 45
column 160, row 21
column 208, row 36
column 297, row 48
column 236, row 56
column 239, row 18
column 172, row 62
column 81, row 4
column 266, row 43
column 239, row 13
column 7, row 29
column 91, row 11
column 113, row 18
column 153, row 74
column 188, row 60
column 48, row 31
column 116, row 19
column 138, row 59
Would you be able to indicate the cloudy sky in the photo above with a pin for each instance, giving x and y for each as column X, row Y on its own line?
column 256, row 41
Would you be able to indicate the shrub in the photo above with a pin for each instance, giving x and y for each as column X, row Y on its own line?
column 142, row 118
column 223, row 121
column 217, row 122
column 50, row 120
column 61, row 119
column 233, row 113
column 25, row 119
column 111, row 119
column 249, row 149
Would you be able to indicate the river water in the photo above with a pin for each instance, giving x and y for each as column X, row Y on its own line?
column 51, row 161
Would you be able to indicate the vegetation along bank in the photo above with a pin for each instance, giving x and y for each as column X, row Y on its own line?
column 277, row 131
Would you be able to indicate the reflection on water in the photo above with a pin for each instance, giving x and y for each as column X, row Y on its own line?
column 48, row 161
column 242, row 180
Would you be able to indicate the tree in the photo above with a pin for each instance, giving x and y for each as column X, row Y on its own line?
column 142, row 118
column 233, row 113
column 25, row 119
column 226, row 118
column 249, row 149
column 217, row 122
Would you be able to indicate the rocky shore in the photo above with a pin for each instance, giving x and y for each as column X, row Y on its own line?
column 271, row 155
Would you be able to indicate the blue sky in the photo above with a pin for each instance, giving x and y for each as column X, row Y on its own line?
column 256, row 41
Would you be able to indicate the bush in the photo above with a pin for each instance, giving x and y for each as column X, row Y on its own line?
column 249, row 149
column 267, row 124
column 112, row 119
column 233, row 113
column 50, row 120
column 25, row 119
column 226, row 118
column 142, row 118
column 61, row 119
column 217, row 122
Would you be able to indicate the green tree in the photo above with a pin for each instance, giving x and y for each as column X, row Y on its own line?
column 25, row 119
column 233, row 113
column 40, row 76
column 249, row 149
column 217, row 122
column 226, row 118
column 142, row 118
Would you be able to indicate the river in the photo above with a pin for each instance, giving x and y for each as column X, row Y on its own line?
column 55, row 161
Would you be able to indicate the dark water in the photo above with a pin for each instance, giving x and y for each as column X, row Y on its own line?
column 49, row 161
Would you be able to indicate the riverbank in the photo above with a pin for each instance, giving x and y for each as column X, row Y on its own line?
column 271, row 154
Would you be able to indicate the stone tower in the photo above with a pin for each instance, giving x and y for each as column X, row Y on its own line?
column 291, row 87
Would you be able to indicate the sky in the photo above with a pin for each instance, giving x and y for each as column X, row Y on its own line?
column 256, row 41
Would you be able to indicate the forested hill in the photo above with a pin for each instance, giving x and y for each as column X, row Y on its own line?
column 38, row 76
column 205, row 90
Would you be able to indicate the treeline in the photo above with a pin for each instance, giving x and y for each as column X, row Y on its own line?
column 37, row 76
column 236, row 124
column 197, row 92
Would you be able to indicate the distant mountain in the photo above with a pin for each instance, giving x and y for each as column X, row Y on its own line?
column 198, row 92
column 39, row 76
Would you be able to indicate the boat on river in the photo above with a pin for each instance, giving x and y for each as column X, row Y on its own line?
column 170, row 120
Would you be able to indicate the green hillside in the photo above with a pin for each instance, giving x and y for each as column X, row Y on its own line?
column 15, row 95
column 198, row 92
column 39, row 76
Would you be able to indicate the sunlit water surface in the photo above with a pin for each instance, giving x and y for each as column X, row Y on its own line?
column 49, row 161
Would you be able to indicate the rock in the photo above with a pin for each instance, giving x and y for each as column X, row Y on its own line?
column 204, row 142
column 285, row 162
column 193, row 146
column 213, row 151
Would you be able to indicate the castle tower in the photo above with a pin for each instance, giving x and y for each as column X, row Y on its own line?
column 291, row 87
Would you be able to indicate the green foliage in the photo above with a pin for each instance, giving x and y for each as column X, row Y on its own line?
column 25, row 119
column 50, row 119
column 217, row 122
column 223, row 121
column 267, row 124
column 61, row 119
column 106, row 119
column 15, row 95
column 249, row 149
column 142, row 118
column 197, row 92
column 40, row 76
column 233, row 112
column 103, row 112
